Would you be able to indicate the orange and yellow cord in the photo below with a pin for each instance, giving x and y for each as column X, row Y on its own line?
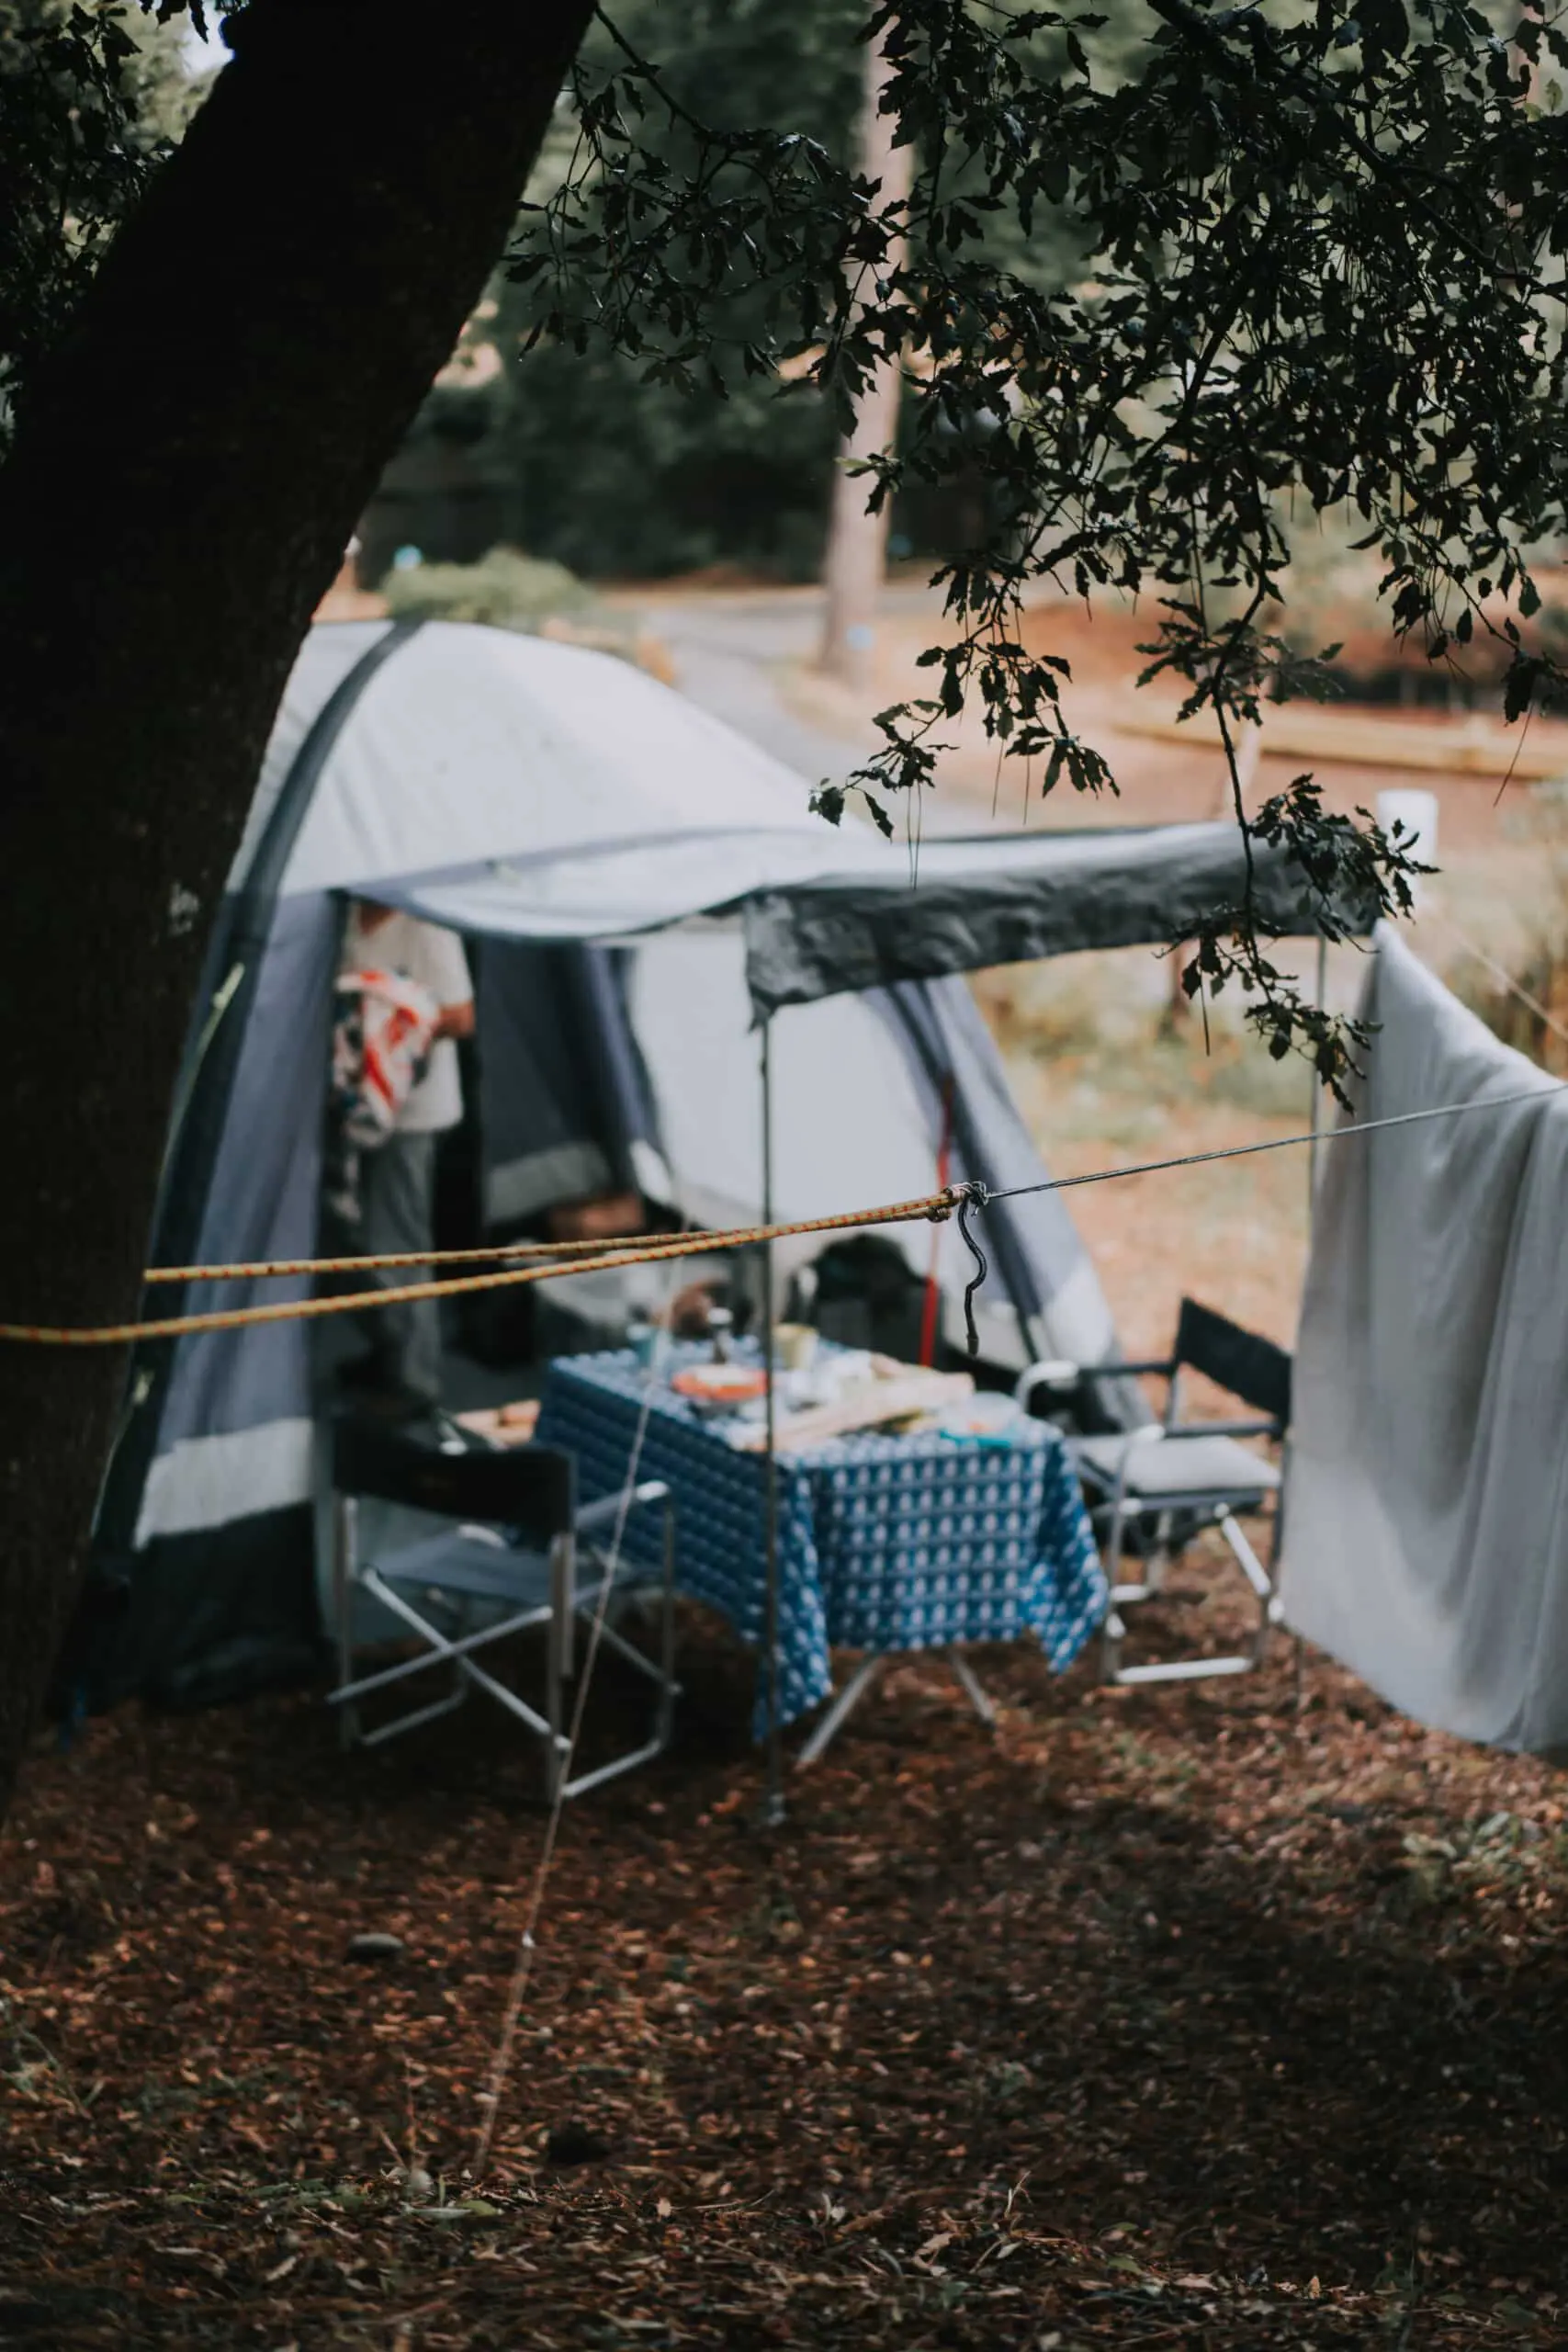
column 558, row 1261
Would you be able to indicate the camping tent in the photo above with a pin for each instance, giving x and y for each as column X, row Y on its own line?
column 600, row 840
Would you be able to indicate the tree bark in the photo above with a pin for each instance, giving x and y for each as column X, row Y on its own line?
column 856, row 562
column 186, row 474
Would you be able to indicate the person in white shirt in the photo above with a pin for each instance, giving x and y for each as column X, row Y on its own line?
column 402, row 1367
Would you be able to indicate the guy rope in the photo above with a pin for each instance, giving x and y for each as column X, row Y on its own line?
column 587, row 1259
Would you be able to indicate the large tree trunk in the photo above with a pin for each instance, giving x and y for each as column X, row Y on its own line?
column 183, row 483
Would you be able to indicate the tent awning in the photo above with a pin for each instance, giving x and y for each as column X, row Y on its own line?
column 813, row 929
column 517, row 788
column 622, row 890
column 1011, row 898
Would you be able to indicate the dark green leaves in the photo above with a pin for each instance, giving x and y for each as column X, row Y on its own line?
column 1316, row 275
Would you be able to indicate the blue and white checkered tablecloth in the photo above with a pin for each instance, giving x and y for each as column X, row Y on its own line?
column 884, row 1543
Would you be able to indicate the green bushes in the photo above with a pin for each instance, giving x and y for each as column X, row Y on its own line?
column 505, row 589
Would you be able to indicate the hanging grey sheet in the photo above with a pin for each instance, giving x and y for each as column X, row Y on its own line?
column 1426, row 1514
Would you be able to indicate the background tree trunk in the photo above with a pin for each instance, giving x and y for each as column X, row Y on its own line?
column 856, row 560
column 186, row 474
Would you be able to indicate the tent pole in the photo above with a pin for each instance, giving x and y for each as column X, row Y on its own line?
column 774, row 1798
column 1316, row 1091
column 1298, row 1644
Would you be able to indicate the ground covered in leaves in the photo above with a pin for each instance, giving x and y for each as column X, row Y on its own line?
column 1168, row 2019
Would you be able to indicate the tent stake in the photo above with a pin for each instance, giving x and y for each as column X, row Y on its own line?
column 773, row 1797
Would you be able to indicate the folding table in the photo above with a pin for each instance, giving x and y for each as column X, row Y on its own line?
column 885, row 1544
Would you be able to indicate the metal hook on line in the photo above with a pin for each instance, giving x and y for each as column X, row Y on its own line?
column 973, row 1195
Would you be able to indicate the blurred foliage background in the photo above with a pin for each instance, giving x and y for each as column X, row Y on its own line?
column 585, row 460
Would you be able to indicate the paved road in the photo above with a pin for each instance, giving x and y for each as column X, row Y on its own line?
column 734, row 653
column 731, row 655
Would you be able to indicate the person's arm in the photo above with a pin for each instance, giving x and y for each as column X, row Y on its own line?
column 454, row 988
column 455, row 1020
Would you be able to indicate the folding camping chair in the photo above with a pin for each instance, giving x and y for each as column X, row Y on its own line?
column 520, row 1553
column 1183, row 1477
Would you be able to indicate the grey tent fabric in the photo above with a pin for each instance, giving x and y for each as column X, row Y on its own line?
column 565, row 1110
column 1427, row 1509
column 1038, row 1253
column 218, row 1432
column 966, row 904
column 262, row 1201
column 539, row 796
column 221, row 1588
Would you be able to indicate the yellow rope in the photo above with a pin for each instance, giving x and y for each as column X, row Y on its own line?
column 264, row 1268
column 105, row 1335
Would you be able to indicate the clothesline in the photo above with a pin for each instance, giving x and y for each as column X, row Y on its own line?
column 983, row 1195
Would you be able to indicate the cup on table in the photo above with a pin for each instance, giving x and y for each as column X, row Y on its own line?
column 795, row 1346
column 642, row 1337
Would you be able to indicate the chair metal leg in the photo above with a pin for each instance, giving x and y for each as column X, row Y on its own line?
column 612, row 1638
column 666, row 1717
column 441, row 1648
column 1112, row 1633
column 1122, row 1508
column 1251, row 1567
column 345, row 1530
column 964, row 1675
column 1113, row 1627
column 1196, row 1669
column 1158, row 1566
column 515, row 1705
column 416, row 1716
column 559, row 1658
column 1259, row 1577
column 460, row 1683
column 449, row 1642
column 345, row 1695
column 563, row 1597
column 1186, row 1669
column 839, row 1712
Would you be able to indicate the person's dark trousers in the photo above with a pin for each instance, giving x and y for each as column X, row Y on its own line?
column 397, row 1191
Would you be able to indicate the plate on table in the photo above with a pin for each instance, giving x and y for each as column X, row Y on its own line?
column 985, row 1418
column 719, row 1387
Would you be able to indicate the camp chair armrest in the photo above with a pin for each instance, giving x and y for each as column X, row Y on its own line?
column 1063, row 1375
column 1262, row 1427
column 596, row 1514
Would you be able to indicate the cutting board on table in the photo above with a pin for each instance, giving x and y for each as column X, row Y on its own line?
column 864, row 1406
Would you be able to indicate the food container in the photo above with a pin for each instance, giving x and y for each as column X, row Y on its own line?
column 719, row 1387
column 642, row 1337
column 986, row 1419
column 795, row 1346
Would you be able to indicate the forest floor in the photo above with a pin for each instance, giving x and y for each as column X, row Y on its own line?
column 1166, row 2018
column 1170, row 2019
